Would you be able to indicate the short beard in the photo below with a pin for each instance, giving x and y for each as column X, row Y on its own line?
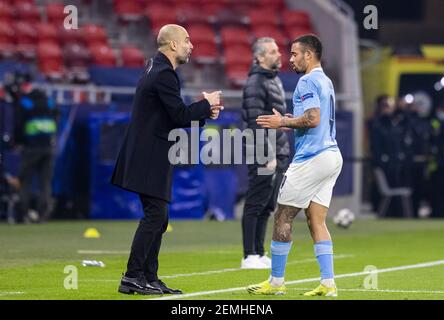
column 300, row 70
column 180, row 60
column 276, row 66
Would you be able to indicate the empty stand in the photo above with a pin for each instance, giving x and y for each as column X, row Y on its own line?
column 132, row 57
column 103, row 55
column 222, row 32
column 50, row 60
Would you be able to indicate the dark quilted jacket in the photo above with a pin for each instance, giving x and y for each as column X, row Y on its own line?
column 263, row 92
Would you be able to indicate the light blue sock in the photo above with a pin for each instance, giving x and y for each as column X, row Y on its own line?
column 324, row 255
column 279, row 254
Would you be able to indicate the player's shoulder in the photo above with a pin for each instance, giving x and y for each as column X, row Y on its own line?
column 309, row 81
column 319, row 79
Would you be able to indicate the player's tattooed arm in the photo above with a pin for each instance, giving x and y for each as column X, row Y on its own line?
column 310, row 119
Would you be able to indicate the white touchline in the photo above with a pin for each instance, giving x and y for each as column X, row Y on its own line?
column 380, row 290
column 180, row 275
column 339, row 256
column 80, row 251
column 101, row 252
column 347, row 275
column 6, row 293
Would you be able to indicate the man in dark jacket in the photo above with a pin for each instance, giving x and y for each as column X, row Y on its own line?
column 263, row 92
column 35, row 131
column 143, row 166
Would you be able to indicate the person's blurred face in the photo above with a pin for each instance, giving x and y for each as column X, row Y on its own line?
column 299, row 60
column 271, row 59
column 387, row 106
column 184, row 47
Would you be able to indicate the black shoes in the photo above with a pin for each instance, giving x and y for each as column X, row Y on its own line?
column 139, row 285
column 162, row 286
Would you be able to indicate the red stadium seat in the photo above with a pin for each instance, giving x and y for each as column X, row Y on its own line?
column 25, row 38
column 186, row 3
column 6, row 12
column 183, row 4
column 50, row 59
column 293, row 33
column 238, row 60
column 49, row 50
column 238, row 54
column 263, row 17
column 205, row 52
column 55, row 14
column 102, row 55
column 7, row 35
column 27, row 11
column 132, row 57
column 243, row 6
column 285, row 58
column 212, row 9
column 129, row 10
column 295, row 18
column 271, row 4
column 190, row 14
column 203, row 38
column 16, row 2
column 76, row 55
column 94, row 34
column 273, row 32
column 235, row 35
column 46, row 32
column 238, row 74
column 229, row 17
column 70, row 35
column 159, row 15
column 201, row 33
column 25, row 33
column 7, row 32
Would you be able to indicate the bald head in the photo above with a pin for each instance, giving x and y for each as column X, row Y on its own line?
column 174, row 41
column 170, row 32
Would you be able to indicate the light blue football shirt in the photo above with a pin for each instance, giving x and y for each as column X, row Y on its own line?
column 315, row 90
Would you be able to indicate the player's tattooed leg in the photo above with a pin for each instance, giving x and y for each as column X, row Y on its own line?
column 283, row 221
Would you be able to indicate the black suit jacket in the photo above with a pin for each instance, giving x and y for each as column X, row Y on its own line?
column 142, row 165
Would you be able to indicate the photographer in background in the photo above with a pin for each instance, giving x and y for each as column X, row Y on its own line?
column 34, row 137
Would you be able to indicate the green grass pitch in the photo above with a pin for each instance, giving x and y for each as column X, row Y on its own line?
column 204, row 256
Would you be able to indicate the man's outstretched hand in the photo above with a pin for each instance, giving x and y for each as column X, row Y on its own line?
column 273, row 121
column 214, row 100
column 213, row 97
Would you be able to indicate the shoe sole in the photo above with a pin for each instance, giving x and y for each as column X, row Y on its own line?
column 331, row 295
column 278, row 293
column 334, row 295
column 127, row 290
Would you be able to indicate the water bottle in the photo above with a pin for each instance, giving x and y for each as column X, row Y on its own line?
column 93, row 263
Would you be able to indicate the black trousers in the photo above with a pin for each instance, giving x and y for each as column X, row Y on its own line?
column 437, row 200
column 36, row 161
column 260, row 201
column 144, row 256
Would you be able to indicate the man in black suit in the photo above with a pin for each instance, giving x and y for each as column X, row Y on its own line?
column 143, row 166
